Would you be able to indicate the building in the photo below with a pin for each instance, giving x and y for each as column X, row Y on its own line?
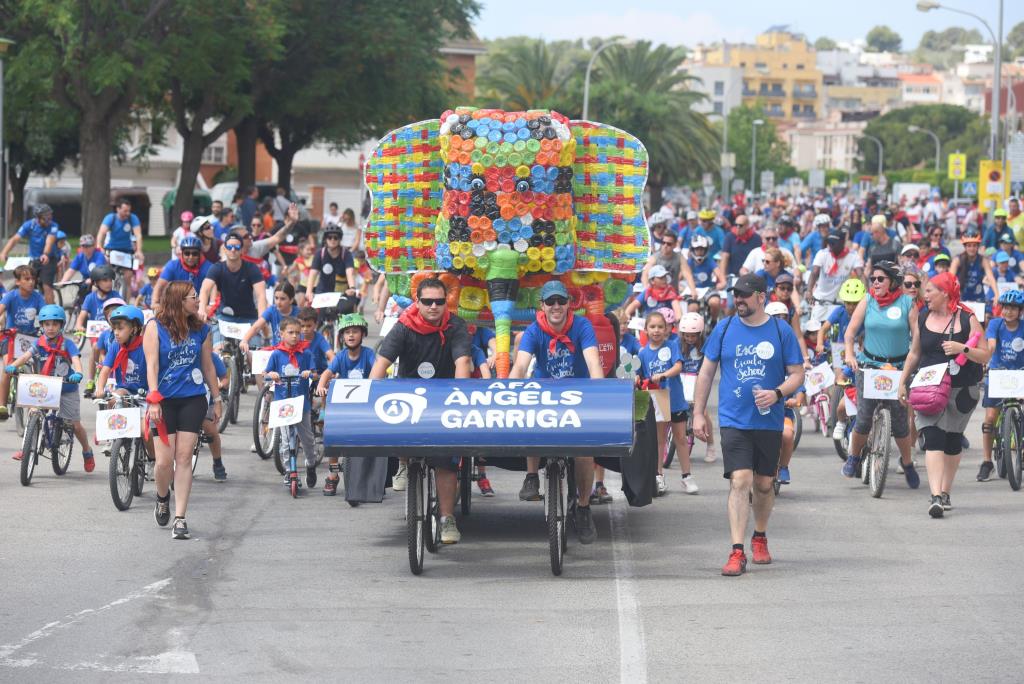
column 859, row 98
column 723, row 86
column 916, row 89
column 780, row 72
column 827, row 144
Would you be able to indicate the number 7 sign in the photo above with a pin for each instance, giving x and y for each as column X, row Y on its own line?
column 350, row 391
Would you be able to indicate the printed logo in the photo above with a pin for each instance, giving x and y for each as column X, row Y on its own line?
column 117, row 421
column 893, row 313
column 701, row 277
column 400, row 407
column 355, row 374
column 328, row 269
column 37, row 390
column 197, row 376
column 764, row 350
column 425, row 370
column 1017, row 344
column 664, row 354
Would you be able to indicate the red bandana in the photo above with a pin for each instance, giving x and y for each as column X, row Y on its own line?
column 260, row 263
column 121, row 360
column 836, row 258
column 665, row 294
column 888, row 298
column 556, row 337
column 54, row 351
column 412, row 319
column 743, row 238
column 292, row 352
column 193, row 271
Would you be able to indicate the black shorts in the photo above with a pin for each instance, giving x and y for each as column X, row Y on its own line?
column 184, row 414
column 756, row 450
column 48, row 272
column 679, row 416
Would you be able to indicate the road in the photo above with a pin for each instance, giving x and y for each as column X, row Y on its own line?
column 275, row 588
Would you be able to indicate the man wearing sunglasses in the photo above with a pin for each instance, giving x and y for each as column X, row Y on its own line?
column 667, row 257
column 243, row 292
column 565, row 346
column 192, row 266
column 830, row 268
column 769, row 238
column 431, row 344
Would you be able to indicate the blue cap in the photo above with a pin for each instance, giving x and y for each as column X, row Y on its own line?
column 553, row 287
column 1002, row 257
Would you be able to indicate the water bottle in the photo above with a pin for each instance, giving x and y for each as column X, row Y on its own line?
column 763, row 410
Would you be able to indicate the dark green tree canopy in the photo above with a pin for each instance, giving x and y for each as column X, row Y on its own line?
column 958, row 129
column 883, row 39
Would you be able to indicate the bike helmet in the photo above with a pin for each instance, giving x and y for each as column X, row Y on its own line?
column 668, row 313
column 353, row 320
column 113, row 301
column 332, row 229
column 812, row 326
column 190, row 242
column 42, row 210
column 129, row 313
column 52, row 312
column 61, row 235
column 888, row 268
column 187, row 216
column 153, row 272
column 852, row 291
column 706, row 215
column 691, row 322
column 198, row 222
column 822, row 220
column 103, row 272
column 1012, row 298
column 777, row 309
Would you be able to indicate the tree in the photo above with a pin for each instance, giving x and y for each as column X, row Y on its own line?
column 526, row 73
column 945, row 48
column 645, row 91
column 772, row 153
column 883, row 39
column 1015, row 40
column 957, row 128
column 825, row 43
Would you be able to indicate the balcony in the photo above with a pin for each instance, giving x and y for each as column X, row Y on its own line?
column 805, row 94
column 771, row 92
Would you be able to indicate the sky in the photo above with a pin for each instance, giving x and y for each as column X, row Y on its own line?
column 688, row 23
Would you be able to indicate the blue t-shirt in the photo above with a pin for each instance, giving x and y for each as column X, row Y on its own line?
column 279, row 361
column 703, row 273
column 93, row 304
column 648, row 302
column 37, row 235
column 1014, row 266
column 181, row 369
column 482, row 337
column 839, row 320
column 739, row 251
column 629, row 343
column 1009, row 351
column 812, row 244
column 273, row 317
column 132, row 378
column 344, row 367
column 147, row 295
column 661, row 360
column 319, row 346
column 173, row 271
column 61, row 367
column 119, row 233
column 105, row 341
column 691, row 360
column 84, row 265
column 21, row 313
column 750, row 356
column 564, row 363
column 972, row 287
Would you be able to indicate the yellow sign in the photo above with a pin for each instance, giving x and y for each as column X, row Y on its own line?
column 993, row 183
column 957, row 167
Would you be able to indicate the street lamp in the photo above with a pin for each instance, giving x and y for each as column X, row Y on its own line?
column 590, row 65
column 4, row 45
column 881, row 152
column 753, row 151
column 938, row 146
column 997, row 40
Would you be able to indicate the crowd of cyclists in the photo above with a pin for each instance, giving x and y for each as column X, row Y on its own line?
column 855, row 285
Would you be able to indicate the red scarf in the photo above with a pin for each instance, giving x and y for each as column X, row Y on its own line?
column 556, row 337
column 292, row 352
column 888, row 298
column 743, row 238
column 260, row 263
column 193, row 271
column 948, row 283
column 121, row 360
column 836, row 258
column 412, row 319
column 55, row 351
column 664, row 294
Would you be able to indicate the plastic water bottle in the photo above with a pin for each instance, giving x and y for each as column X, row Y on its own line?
column 763, row 410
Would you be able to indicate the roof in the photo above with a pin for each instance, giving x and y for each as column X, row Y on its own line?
column 920, row 78
column 470, row 45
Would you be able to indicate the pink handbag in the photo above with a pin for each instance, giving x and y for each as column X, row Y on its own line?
column 930, row 400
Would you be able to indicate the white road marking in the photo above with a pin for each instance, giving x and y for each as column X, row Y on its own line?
column 632, row 651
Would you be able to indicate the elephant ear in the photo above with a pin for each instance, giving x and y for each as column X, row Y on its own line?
column 609, row 175
column 404, row 175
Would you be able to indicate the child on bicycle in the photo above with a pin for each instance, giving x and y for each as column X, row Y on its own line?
column 691, row 350
column 1005, row 337
column 354, row 362
column 323, row 352
column 124, row 358
column 834, row 327
column 293, row 357
column 145, row 297
column 92, row 310
column 106, row 338
column 59, row 357
column 20, row 308
column 661, row 363
column 270, row 319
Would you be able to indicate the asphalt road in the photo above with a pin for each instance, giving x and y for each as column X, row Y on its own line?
column 282, row 589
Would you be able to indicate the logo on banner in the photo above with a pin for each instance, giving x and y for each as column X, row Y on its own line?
column 37, row 390
column 286, row 411
column 400, row 407
column 117, row 421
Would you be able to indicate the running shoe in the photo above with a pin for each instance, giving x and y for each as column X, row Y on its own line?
column 449, row 530
column 759, row 550
column 913, row 479
column 311, row 476
column 401, row 479
column 17, row 455
column 662, row 486
column 690, row 485
column 839, row 431
column 985, row 471
column 711, row 456
column 252, row 447
column 603, row 497
column 736, row 565
column 162, row 512
column 531, row 488
column 90, row 388
column 219, row 473
column 180, row 529
column 485, row 486
column 331, row 486
column 947, row 505
column 585, row 529
column 4, row 412
column 89, row 462
column 935, row 507
column 852, row 466
column 783, row 477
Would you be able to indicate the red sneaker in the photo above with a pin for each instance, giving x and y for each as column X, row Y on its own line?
column 737, row 564
column 759, row 550
column 16, row 456
column 90, row 464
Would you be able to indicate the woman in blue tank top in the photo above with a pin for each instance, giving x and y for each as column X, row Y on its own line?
column 179, row 367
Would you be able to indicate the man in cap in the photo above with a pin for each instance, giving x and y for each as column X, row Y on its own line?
column 830, row 268
column 565, row 346
column 761, row 363
column 909, row 255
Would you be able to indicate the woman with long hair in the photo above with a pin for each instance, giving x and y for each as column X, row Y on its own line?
column 179, row 368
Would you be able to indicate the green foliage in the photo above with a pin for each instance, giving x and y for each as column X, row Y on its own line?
column 527, row 73
column 957, row 128
column 945, row 48
column 1014, row 42
column 772, row 153
column 825, row 43
column 883, row 39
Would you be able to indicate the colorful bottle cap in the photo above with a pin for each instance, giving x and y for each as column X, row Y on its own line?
column 520, row 245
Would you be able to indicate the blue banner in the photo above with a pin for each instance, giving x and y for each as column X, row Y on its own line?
column 505, row 414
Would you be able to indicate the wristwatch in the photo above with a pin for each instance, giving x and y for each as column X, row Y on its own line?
column 778, row 394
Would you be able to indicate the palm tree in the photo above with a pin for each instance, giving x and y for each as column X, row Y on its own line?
column 527, row 74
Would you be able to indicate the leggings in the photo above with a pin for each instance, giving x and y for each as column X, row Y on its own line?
column 305, row 431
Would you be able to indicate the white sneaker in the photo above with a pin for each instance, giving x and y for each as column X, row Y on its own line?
column 401, row 479
column 899, row 466
column 712, row 455
column 252, row 448
column 839, row 431
column 449, row 530
column 662, row 486
column 689, row 485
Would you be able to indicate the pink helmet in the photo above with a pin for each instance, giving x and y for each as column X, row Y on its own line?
column 691, row 322
column 668, row 313
column 187, row 216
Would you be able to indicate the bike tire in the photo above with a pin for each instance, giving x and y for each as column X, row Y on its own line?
column 60, row 452
column 554, row 504
column 262, row 436
column 225, row 414
column 243, row 379
column 432, row 524
column 415, row 513
column 195, row 452
column 121, row 473
column 280, row 454
column 466, row 485
column 141, row 466
column 1001, row 453
column 881, row 449
column 798, row 428
column 30, row 449
column 776, row 485
column 670, row 452
column 1010, row 445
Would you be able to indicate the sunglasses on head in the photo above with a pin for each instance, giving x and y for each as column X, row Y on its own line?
column 233, row 248
column 911, row 284
column 878, row 279
column 556, row 300
column 430, row 301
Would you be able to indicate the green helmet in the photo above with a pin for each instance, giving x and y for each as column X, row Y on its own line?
column 353, row 320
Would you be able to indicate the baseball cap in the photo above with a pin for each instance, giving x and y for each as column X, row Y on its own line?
column 776, row 309
column 749, row 283
column 553, row 287
column 836, row 237
column 910, row 248
column 783, row 278
column 1006, row 237
column 657, row 271
column 1001, row 257
column 87, row 241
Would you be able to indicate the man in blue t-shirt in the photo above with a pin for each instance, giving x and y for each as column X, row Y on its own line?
column 41, row 233
column 737, row 246
column 88, row 258
column 121, row 231
column 565, row 347
column 761, row 363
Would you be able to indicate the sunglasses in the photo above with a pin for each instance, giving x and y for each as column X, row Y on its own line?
column 332, row 237
column 256, row 224
column 878, row 279
column 428, row 301
column 771, row 239
column 784, row 287
column 556, row 300
column 190, row 253
column 192, row 296
column 768, row 261
column 911, row 284
column 233, row 248
column 668, row 243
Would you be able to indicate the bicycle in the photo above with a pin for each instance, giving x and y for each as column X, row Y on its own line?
column 421, row 505
column 235, row 363
column 467, row 475
column 1009, row 441
column 559, row 502
column 263, row 436
column 12, row 396
column 48, row 436
column 75, row 307
column 285, row 453
column 875, row 466
column 123, row 264
column 130, row 464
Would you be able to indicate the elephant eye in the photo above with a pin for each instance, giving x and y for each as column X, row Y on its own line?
column 522, row 186
column 477, row 184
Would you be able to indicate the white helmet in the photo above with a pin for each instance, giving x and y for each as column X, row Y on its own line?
column 776, row 309
column 812, row 326
column 198, row 222
column 691, row 322
column 699, row 241
column 822, row 220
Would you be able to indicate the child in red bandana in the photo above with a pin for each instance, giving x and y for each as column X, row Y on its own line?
column 292, row 357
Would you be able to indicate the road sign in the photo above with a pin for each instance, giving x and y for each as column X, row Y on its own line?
column 992, row 182
column 969, row 189
column 957, row 166
column 1017, row 187
column 767, row 181
column 737, row 185
column 1015, row 156
column 728, row 159
column 727, row 173
column 816, row 179
column 883, row 182
column 706, row 179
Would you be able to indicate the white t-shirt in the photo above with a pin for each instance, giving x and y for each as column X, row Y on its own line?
column 331, row 219
column 348, row 236
column 176, row 237
column 827, row 287
column 755, row 260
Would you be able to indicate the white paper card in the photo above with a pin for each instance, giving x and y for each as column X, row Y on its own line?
column 259, row 360
column 1006, row 384
column 23, row 343
column 350, row 391
column 387, row 325
column 979, row 310
column 42, row 391
column 119, row 423
column 881, row 384
column 235, row 331
column 285, row 412
column 14, row 262
column 636, row 323
column 662, row 405
column 94, row 329
column 1006, row 287
column 122, row 259
column 851, row 408
column 147, row 315
column 689, row 385
column 818, row 379
column 326, row 300
column 929, row 375
column 837, row 354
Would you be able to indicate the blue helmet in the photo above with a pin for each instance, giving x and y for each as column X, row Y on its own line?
column 190, row 242
column 129, row 313
column 1012, row 297
column 52, row 312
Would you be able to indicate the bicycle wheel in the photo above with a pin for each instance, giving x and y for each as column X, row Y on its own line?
column 195, row 453
column 881, row 446
column 670, row 452
column 466, row 485
column 121, row 473
column 60, row 447
column 262, row 435
column 432, row 524
column 243, row 379
column 776, row 485
column 280, row 451
column 142, row 465
column 798, row 428
column 554, row 505
column 415, row 513
column 1002, row 448
column 1010, row 442
column 30, row 448
column 124, row 283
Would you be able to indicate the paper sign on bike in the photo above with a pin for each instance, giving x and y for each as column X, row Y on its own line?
column 23, row 343
column 818, row 379
column 979, row 310
column 851, row 408
column 837, row 354
column 1006, row 384
column 881, row 384
column 14, row 262
column 326, row 300
column 636, row 323
column 94, row 329
column 259, row 360
column 284, row 412
column 689, row 385
column 119, row 423
column 147, row 315
column 122, row 259
column 929, row 375
column 344, row 391
column 39, row 391
column 235, row 331
column 1006, row 287
column 662, row 405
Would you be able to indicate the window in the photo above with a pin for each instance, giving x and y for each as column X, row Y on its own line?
column 785, row 66
column 799, row 67
column 214, row 154
column 716, row 108
column 743, row 64
column 719, row 87
column 760, row 65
